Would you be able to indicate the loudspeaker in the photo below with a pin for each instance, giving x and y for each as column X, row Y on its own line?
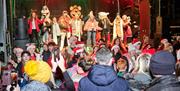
column 159, row 25
column 21, row 43
column 21, row 31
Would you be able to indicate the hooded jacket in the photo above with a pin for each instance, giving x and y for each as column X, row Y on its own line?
column 102, row 78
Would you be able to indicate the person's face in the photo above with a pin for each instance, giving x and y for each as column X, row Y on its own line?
column 45, row 47
column 54, row 19
column 18, row 53
column 33, row 15
column 32, row 50
column 44, row 8
column 51, row 48
column 25, row 57
column 146, row 39
column 65, row 14
column 117, row 42
column 124, row 17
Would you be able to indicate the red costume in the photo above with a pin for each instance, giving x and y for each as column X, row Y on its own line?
column 37, row 22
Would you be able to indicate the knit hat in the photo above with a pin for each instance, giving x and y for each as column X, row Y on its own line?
column 162, row 63
column 38, row 71
column 30, row 46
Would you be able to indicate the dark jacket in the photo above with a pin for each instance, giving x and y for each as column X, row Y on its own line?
column 102, row 78
column 165, row 83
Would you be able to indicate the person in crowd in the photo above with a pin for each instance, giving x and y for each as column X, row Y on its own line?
column 31, row 48
column 117, row 41
column 93, row 55
column 122, row 67
column 116, row 52
column 102, row 76
column 15, row 58
column 41, row 73
column 46, row 53
column 91, row 26
column 145, row 43
column 65, row 25
column 165, row 45
column 68, row 52
column 141, row 73
column 34, row 29
column 20, row 68
column 178, row 70
column 162, row 67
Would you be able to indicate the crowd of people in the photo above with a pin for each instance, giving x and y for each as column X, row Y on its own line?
column 100, row 62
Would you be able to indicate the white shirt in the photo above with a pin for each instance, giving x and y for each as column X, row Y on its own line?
column 33, row 24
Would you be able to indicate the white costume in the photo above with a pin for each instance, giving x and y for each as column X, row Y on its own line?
column 118, row 28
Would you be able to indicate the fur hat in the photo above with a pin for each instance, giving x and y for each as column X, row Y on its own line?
column 30, row 46
column 162, row 63
column 38, row 71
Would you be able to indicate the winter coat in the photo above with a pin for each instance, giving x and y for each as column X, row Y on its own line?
column 165, row 83
column 102, row 78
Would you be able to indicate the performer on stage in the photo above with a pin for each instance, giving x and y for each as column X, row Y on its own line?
column 56, row 30
column 33, row 30
column 105, row 23
column 45, row 13
column 127, row 29
column 65, row 25
column 77, row 23
column 91, row 26
column 118, row 28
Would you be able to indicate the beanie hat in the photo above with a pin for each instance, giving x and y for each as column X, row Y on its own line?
column 38, row 71
column 162, row 63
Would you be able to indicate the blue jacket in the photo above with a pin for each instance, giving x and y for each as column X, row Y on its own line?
column 102, row 78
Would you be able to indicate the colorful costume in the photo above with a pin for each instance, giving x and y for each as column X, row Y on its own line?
column 105, row 24
column 47, row 23
column 64, row 22
column 33, row 30
column 76, row 23
column 91, row 26
column 118, row 28
column 55, row 30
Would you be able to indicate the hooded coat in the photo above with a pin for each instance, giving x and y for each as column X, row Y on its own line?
column 102, row 78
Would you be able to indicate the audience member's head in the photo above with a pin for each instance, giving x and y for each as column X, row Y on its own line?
column 38, row 71
column 162, row 63
column 25, row 56
column 104, row 56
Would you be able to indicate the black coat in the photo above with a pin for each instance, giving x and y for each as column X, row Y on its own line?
column 165, row 83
